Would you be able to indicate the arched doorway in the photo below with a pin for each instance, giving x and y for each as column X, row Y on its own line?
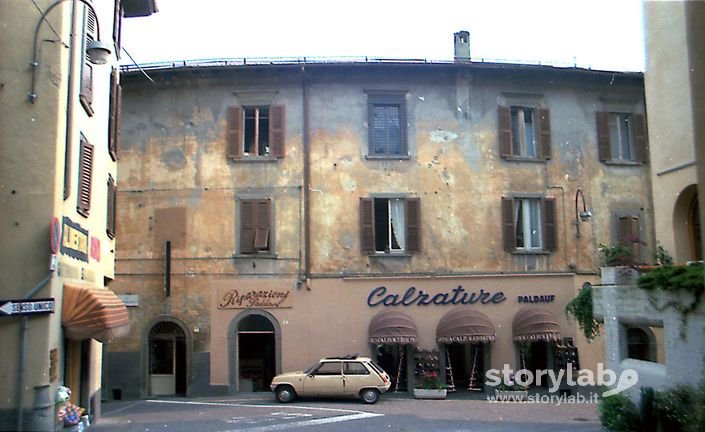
column 686, row 227
column 255, row 351
column 167, row 360
column 696, row 250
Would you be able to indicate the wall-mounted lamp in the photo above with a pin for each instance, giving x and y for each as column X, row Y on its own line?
column 582, row 216
column 97, row 50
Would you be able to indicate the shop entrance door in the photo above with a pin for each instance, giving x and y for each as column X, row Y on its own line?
column 255, row 353
column 167, row 360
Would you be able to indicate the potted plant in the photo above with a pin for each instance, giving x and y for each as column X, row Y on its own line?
column 617, row 263
column 430, row 387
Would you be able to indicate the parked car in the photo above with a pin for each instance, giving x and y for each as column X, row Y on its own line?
column 349, row 375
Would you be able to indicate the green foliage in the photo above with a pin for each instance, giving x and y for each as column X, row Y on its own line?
column 674, row 278
column 581, row 309
column 675, row 407
column 662, row 256
column 647, row 409
column 616, row 255
column 619, row 414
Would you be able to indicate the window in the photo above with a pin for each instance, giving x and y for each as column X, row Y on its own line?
column 387, row 124
column 112, row 201
column 628, row 233
column 524, row 132
column 621, row 137
column 114, row 120
column 86, row 92
column 255, row 132
column 390, row 225
column 329, row 368
column 85, row 174
column 355, row 368
column 255, row 222
column 529, row 224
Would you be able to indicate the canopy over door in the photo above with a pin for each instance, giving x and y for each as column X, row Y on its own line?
column 532, row 324
column 392, row 327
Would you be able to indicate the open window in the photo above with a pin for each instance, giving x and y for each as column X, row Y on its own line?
column 255, row 132
column 390, row 225
column 529, row 224
column 621, row 137
column 524, row 132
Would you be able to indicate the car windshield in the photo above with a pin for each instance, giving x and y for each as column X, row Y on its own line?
column 313, row 367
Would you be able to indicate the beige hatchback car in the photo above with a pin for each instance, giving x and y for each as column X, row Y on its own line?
column 334, row 376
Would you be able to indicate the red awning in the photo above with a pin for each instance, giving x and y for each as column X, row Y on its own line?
column 90, row 313
column 532, row 324
column 392, row 327
column 465, row 326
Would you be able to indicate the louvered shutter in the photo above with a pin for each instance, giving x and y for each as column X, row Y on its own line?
column 504, row 119
column 262, row 222
column 641, row 151
column 114, row 120
column 508, row 231
column 112, row 201
column 234, row 132
column 85, row 175
column 86, row 95
column 413, row 225
column 247, row 226
column 549, row 224
column 117, row 24
column 603, row 136
column 277, row 124
column 367, row 226
column 544, row 133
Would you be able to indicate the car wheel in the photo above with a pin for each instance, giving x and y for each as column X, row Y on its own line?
column 285, row 394
column 369, row 396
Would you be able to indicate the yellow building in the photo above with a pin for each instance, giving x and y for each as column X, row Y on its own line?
column 59, row 129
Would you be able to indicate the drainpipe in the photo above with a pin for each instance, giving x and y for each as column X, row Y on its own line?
column 307, row 181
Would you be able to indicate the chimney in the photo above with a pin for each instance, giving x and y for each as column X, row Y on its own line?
column 462, row 46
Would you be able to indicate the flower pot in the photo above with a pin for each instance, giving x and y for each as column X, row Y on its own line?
column 430, row 393
column 510, row 395
column 621, row 275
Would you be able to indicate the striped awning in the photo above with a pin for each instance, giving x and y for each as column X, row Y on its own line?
column 91, row 313
column 465, row 325
column 534, row 323
column 392, row 327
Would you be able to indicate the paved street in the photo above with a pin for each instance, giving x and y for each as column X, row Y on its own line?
column 259, row 412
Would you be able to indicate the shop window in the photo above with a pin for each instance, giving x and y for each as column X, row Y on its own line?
column 255, row 226
column 386, row 113
column 255, row 132
column 529, row 224
column 390, row 225
column 621, row 137
column 524, row 132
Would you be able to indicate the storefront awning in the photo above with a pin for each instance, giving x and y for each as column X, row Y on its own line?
column 465, row 326
column 90, row 313
column 532, row 324
column 392, row 327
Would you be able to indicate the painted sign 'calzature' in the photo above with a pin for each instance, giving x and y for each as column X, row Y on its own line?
column 410, row 297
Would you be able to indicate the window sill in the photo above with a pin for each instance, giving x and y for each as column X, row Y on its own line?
column 254, row 159
column 530, row 252
column 391, row 255
column 388, row 157
column 524, row 159
column 617, row 162
column 263, row 255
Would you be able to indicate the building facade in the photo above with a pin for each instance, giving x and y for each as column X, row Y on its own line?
column 59, row 87
column 425, row 214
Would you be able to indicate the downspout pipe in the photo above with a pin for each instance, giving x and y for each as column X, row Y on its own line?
column 307, row 179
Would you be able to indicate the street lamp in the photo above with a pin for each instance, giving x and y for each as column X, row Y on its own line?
column 97, row 50
column 584, row 215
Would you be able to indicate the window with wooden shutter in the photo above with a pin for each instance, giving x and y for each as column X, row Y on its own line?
column 387, row 124
column 628, row 232
column 112, row 202
column 114, row 120
column 524, row 132
column 529, row 224
column 621, row 138
column 390, row 225
column 85, row 176
column 255, row 226
column 256, row 132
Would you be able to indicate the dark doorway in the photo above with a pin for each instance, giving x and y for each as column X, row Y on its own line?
column 392, row 358
column 167, row 360
column 465, row 366
column 256, row 353
column 535, row 356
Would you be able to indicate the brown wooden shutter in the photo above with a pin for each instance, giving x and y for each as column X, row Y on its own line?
column 603, row 136
column 413, row 224
column 628, row 233
column 114, row 120
column 504, row 117
column 641, row 151
column 544, row 124
column 277, row 124
column 112, row 201
column 234, row 132
column 86, row 95
column 85, row 175
column 367, row 226
column 247, row 226
column 549, row 224
column 508, row 230
column 262, row 221
column 117, row 24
